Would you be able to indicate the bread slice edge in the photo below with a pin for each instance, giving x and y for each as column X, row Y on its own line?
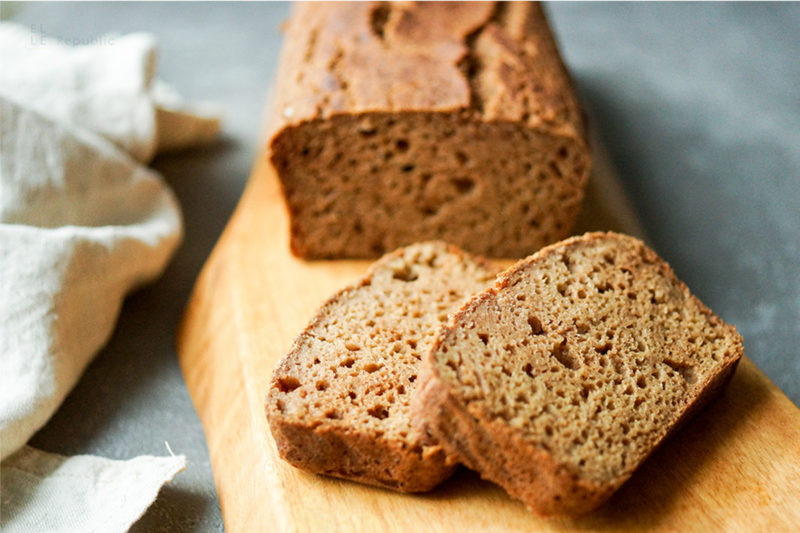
column 498, row 453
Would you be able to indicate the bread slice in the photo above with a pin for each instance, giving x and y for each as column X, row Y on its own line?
column 339, row 400
column 456, row 118
column 559, row 381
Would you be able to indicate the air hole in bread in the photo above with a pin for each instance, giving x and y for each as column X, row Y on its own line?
column 603, row 349
column 463, row 185
column 535, row 325
column 528, row 369
column 378, row 411
column 686, row 371
column 429, row 210
column 562, row 355
column 372, row 367
column 288, row 384
column 586, row 389
column 377, row 248
column 406, row 273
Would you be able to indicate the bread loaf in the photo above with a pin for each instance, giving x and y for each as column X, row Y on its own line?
column 559, row 381
column 400, row 122
column 339, row 401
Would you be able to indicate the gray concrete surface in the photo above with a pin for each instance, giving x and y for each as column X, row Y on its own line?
column 699, row 105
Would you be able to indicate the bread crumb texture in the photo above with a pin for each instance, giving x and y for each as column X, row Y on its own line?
column 339, row 400
column 562, row 379
column 458, row 119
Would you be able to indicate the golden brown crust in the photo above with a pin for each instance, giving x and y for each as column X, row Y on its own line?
column 501, row 451
column 458, row 119
column 358, row 57
column 360, row 457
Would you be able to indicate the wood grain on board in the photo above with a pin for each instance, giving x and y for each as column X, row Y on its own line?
column 736, row 467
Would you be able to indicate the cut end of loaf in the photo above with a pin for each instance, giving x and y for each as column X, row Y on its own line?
column 357, row 186
column 575, row 367
column 401, row 122
column 339, row 401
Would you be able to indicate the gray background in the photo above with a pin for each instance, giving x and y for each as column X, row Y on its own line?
column 699, row 105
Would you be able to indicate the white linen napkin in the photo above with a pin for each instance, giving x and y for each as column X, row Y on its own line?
column 82, row 494
column 109, row 89
column 82, row 223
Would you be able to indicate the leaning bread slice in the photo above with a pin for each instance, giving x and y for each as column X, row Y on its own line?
column 559, row 381
column 339, row 400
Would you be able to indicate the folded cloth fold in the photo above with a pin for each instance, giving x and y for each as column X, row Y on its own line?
column 82, row 223
column 108, row 88
column 48, row 492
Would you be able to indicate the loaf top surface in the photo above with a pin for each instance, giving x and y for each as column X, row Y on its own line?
column 496, row 61
column 590, row 350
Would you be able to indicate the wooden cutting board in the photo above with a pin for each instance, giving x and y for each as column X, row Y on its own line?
column 736, row 467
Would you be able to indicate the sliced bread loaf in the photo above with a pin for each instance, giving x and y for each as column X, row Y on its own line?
column 339, row 400
column 456, row 118
column 559, row 381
